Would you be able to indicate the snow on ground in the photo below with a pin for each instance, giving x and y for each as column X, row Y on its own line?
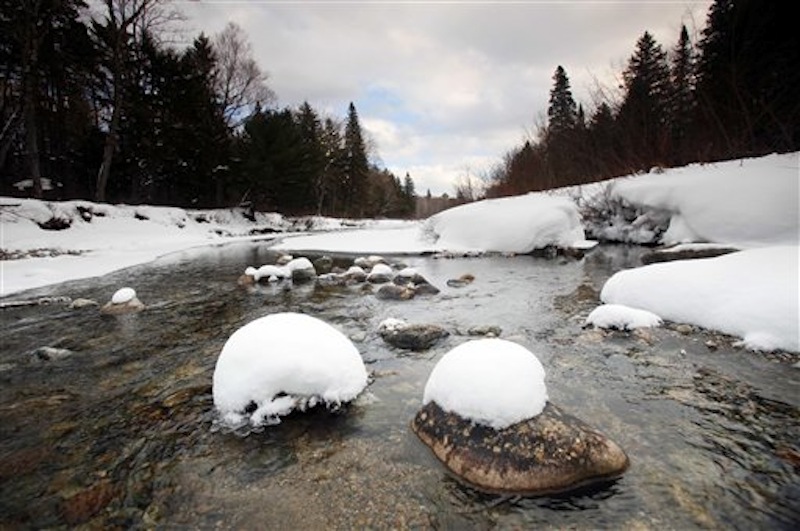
column 620, row 317
column 753, row 294
column 747, row 204
column 284, row 362
column 102, row 238
column 512, row 224
column 489, row 381
column 743, row 203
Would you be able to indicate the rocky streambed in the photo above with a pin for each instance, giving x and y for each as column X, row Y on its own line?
column 107, row 420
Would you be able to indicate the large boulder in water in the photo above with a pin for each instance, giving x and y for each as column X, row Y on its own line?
column 549, row 453
column 486, row 416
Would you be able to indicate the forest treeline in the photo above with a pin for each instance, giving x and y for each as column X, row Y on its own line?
column 732, row 94
column 96, row 104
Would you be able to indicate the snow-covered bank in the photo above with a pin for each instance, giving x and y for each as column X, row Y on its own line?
column 742, row 203
column 752, row 294
column 748, row 203
column 95, row 239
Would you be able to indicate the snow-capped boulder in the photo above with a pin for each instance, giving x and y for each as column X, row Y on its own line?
column 380, row 274
column 416, row 337
column 487, row 418
column 124, row 300
column 281, row 363
column 355, row 274
column 301, row 270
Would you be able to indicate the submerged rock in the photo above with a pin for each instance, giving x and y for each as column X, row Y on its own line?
column 549, row 453
column 461, row 281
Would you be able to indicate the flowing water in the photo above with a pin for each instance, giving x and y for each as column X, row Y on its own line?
column 117, row 429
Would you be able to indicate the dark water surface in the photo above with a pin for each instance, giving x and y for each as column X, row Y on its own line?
column 121, row 433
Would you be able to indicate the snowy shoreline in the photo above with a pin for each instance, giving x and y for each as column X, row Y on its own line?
column 749, row 205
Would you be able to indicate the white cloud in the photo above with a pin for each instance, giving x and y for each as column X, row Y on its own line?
column 438, row 85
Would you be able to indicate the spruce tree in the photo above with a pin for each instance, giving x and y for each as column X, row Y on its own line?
column 643, row 115
column 562, row 112
column 682, row 103
column 356, row 166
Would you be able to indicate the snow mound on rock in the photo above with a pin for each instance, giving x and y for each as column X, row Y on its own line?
column 622, row 317
column 281, row 363
column 489, row 381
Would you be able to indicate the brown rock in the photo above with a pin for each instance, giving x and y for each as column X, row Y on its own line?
column 81, row 506
column 552, row 452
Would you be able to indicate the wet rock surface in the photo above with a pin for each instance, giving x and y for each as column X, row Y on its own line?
column 550, row 453
column 415, row 337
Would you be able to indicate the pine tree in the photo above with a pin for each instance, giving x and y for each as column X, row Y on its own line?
column 562, row 112
column 561, row 135
column 356, row 167
column 748, row 78
column 643, row 115
column 682, row 103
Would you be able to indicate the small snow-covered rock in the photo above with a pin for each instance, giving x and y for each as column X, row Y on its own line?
column 356, row 274
column 284, row 362
column 124, row 300
column 123, row 295
column 301, row 269
column 621, row 317
column 380, row 273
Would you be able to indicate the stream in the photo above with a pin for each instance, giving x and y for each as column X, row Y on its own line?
column 117, row 429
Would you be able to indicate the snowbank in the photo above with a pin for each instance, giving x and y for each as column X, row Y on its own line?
column 752, row 294
column 744, row 203
column 282, row 362
column 508, row 225
column 489, row 381
column 98, row 238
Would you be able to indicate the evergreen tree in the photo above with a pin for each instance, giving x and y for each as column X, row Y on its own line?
column 748, row 78
column 409, row 194
column 562, row 112
column 643, row 115
column 356, row 166
column 682, row 103
column 560, row 135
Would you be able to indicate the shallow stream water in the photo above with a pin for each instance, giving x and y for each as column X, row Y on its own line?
column 120, row 432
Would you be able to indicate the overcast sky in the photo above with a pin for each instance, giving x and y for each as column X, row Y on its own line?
column 443, row 88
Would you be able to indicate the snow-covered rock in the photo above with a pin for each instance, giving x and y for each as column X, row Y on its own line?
column 124, row 300
column 380, row 273
column 489, row 381
column 284, row 362
column 752, row 294
column 486, row 417
column 620, row 317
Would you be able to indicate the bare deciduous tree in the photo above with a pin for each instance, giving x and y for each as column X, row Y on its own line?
column 116, row 25
column 240, row 82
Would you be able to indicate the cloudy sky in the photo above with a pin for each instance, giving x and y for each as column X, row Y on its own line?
column 443, row 88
